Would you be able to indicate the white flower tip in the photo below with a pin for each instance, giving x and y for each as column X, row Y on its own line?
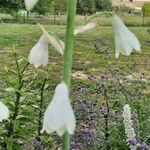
column 30, row 4
column 116, row 22
column 84, row 28
column 61, row 89
column 4, row 112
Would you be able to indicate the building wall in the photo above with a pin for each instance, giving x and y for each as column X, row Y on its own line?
column 131, row 3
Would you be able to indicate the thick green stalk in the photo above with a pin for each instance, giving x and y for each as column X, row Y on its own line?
column 68, row 54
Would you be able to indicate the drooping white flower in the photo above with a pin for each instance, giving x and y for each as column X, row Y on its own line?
column 84, row 28
column 4, row 112
column 127, row 119
column 39, row 53
column 30, row 4
column 59, row 116
column 54, row 41
column 125, row 40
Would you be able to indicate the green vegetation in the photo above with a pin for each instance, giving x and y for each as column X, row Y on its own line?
column 146, row 11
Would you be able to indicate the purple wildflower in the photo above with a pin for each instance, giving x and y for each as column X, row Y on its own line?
column 143, row 146
column 37, row 145
column 86, row 135
column 133, row 141
column 83, row 89
column 75, row 146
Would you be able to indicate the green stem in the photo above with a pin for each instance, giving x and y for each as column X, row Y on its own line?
column 69, row 45
column 40, row 111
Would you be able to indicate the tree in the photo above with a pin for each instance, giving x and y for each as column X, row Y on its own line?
column 91, row 6
column 60, row 6
column 146, row 11
column 44, row 6
column 11, row 6
column 103, row 5
column 86, row 7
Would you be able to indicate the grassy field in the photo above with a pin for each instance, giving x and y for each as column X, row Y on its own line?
column 127, row 80
column 103, row 20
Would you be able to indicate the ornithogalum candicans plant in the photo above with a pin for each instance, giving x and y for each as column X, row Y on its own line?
column 59, row 116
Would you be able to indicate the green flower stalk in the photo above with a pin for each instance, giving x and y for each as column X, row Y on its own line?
column 68, row 55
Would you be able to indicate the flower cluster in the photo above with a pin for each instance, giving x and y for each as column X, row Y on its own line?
column 59, row 116
column 129, row 130
column 135, row 142
column 87, row 133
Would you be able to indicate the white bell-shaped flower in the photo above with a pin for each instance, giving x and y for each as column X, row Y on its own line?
column 30, row 4
column 39, row 53
column 4, row 112
column 59, row 116
column 125, row 40
column 84, row 28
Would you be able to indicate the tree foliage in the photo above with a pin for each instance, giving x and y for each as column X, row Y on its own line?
column 91, row 6
column 44, row 6
column 60, row 6
column 56, row 6
column 10, row 6
column 146, row 10
column 84, row 7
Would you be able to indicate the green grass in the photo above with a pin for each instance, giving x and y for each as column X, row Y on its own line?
column 98, row 63
column 23, row 37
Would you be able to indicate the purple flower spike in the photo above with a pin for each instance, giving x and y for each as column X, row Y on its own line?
column 143, row 146
column 133, row 141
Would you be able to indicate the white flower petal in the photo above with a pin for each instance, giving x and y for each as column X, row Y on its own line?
column 134, row 42
column 4, row 112
column 57, row 43
column 122, row 44
column 84, row 28
column 69, row 119
column 39, row 53
column 59, row 115
column 125, row 40
column 30, row 4
column 61, row 131
column 54, row 41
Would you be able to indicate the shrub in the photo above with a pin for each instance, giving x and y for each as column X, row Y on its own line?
column 146, row 10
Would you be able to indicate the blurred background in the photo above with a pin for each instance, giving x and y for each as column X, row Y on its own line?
column 53, row 11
